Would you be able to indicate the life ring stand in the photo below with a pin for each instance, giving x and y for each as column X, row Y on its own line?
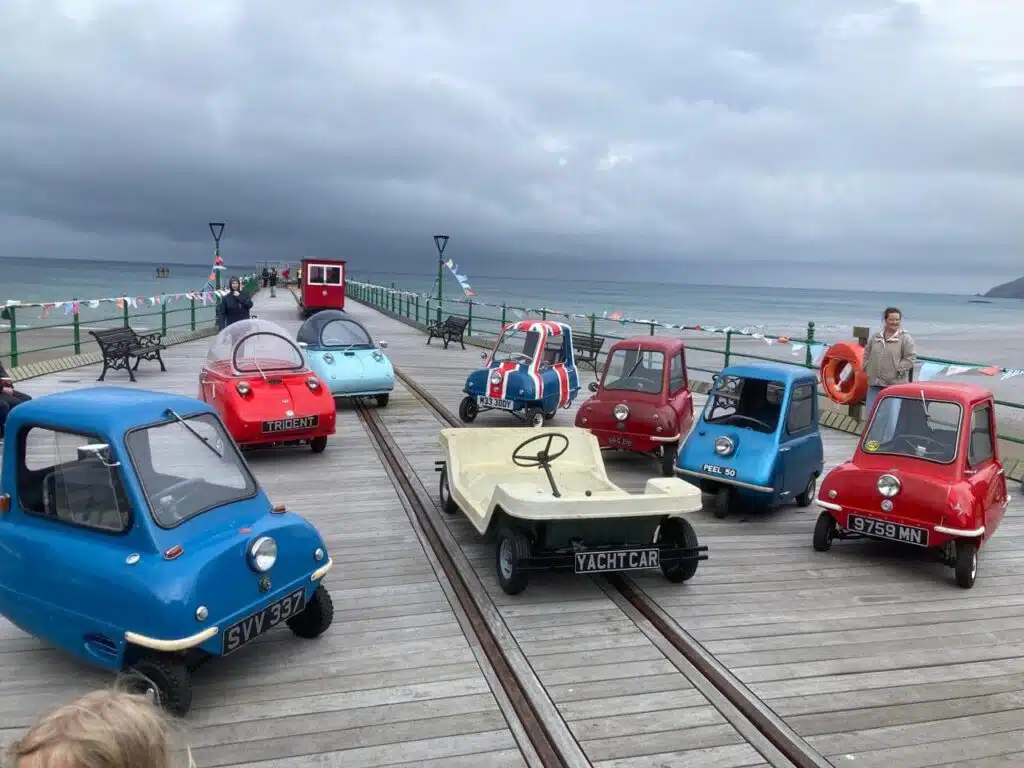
column 842, row 373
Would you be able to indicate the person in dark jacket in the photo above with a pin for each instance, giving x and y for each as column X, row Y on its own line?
column 236, row 304
column 273, row 282
column 9, row 397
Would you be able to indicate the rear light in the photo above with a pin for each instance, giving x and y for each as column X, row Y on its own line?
column 5, row 503
column 313, row 383
column 243, row 388
column 174, row 552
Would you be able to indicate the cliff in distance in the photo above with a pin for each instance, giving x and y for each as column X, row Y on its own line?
column 1011, row 290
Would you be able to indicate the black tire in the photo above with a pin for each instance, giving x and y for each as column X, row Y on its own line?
column 669, row 452
column 444, row 493
column 512, row 579
column 318, row 444
column 316, row 618
column 167, row 678
column 966, row 567
column 534, row 417
column 468, row 409
column 807, row 497
column 824, row 532
column 722, row 501
column 677, row 532
column 382, row 400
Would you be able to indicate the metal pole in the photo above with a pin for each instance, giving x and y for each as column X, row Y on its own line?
column 216, row 229
column 440, row 241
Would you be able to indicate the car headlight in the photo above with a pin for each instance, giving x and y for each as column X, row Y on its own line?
column 496, row 377
column 724, row 446
column 263, row 554
column 621, row 412
column 328, row 357
column 313, row 383
column 889, row 485
column 243, row 388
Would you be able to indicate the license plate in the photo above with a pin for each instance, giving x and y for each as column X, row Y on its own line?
column 714, row 469
column 251, row 627
column 620, row 442
column 493, row 402
column 880, row 529
column 290, row 425
column 617, row 560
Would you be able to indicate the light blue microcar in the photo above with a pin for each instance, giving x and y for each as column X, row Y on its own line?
column 342, row 353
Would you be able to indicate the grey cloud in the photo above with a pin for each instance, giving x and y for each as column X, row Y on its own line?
column 791, row 130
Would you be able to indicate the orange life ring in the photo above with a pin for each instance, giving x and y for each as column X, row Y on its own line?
column 842, row 373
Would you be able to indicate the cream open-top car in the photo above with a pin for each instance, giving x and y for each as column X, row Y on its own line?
column 547, row 497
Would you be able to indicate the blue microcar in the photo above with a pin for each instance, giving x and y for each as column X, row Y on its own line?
column 134, row 535
column 342, row 353
column 757, row 439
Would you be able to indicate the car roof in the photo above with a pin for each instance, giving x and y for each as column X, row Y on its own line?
column 663, row 343
column 553, row 327
column 313, row 327
column 952, row 390
column 103, row 409
column 786, row 374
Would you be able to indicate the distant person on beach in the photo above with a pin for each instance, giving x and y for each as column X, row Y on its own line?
column 104, row 728
column 889, row 356
column 236, row 305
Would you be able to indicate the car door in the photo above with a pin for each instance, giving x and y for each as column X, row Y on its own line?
column 554, row 372
column 983, row 472
column 679, row 395
column 797, row 449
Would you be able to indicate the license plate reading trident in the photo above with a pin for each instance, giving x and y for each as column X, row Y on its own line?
column 291, row 425
column 881, row 529
column 618, row 560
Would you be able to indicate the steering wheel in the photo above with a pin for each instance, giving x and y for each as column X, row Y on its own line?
column 908, row 438
column 752, row 420
column 543, row 457
column 520, row 355
column 170, row 508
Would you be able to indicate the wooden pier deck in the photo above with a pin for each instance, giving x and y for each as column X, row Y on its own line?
column 874, row 660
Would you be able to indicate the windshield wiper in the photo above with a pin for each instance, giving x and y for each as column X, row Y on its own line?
column 199, row 437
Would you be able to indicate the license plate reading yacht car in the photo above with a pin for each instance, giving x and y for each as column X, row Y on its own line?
column 290, row 425
column 880, row 529
column 251, row 627
column 493, row 402
column 714, row 469
column 617, row 560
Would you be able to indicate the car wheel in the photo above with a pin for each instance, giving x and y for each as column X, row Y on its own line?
column 316, row 617
column 444, row 492
column 468, row 409
column 677, row 533
column 723, row 498
column 166, row 679
column 824, row 532
column 513, row 547
column 669, row 453
column 382, row 400
column 318, row 444
column 805, row 498
column 966, row 567
column 534, row 417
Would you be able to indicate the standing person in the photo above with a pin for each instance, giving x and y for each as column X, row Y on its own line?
column 889, row 356
column 273, row 282
column 236, row 304
column 9, row 397
column 266, row 276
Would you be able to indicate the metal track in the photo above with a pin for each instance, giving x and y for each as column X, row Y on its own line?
column 775, row 730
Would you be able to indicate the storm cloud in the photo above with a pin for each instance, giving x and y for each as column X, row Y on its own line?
column 749, row 131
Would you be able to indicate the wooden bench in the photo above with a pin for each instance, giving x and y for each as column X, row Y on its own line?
column 586, row 348
column 451, row 329
column 119, row 345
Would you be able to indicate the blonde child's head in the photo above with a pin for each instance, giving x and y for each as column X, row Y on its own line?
column 103, row 729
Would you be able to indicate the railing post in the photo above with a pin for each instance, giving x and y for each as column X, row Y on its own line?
column 125, row 313
column 543, row 313
column 469, row 318
column 76, row 333
column 427, row 315
column 860, row 334
column 417, row 309
column 193, row 312
column 392, row 298
column 808, row 355
column 504, row 309
column 728, row 347
column 593, row 325
column 163, row 315
column 14, row 336
column 652, row 327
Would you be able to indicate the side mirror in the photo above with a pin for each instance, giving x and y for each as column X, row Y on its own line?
column 714, row 377
column 99, row 451
column 593, row 387
column 483, row 355
column 382, row 344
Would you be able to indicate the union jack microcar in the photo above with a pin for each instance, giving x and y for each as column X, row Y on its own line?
column 134, row 536
column 925, row 473
column 530, row 373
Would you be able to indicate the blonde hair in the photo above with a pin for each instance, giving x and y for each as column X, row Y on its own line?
column 103, row 729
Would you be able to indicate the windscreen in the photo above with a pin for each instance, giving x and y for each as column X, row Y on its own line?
column 745, row 402
column 917, row 427
column 635, row 370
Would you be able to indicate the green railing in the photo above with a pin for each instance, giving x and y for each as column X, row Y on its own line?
column 487, row 320
column 189, row 313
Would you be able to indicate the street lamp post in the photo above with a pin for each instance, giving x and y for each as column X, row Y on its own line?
column 216, row 229
column 440, row 241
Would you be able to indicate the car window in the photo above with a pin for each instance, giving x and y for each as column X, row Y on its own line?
column 745, row 402
column 634, row 370
column 65, row 477
column 914, row 426
column 316, row 274
column 340, row 333
column 677, row 373
column 554, row 350
column 980, row 448
column 518, row 346
column 801, row 409
column 187, row 467
column 332, row 275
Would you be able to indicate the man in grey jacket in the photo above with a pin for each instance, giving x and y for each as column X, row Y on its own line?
column 889, row 356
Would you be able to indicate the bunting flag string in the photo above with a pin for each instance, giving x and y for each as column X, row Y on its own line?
column 463, row 280
column 928, row 370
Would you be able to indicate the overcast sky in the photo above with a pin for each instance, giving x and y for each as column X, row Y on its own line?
column 730, row 138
